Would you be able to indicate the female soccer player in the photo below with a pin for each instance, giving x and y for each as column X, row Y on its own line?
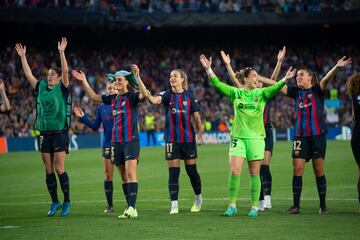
column 353, row 87
column 179, row 105
column 53, row 113
column 265, row 175
column 125, row 136
column 5, row 106
column 247, row 132
column 104, row 115
column 310, row 130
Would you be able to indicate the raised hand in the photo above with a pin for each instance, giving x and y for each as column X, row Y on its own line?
column 206, row 63
column 225, row 57
column 135, row 69
column 290, row 73
column 62, row 45
column 2, row 86
column 281, row 54
column 20, row 49
column 78, row 112
column 79, row 75
column 343, row 62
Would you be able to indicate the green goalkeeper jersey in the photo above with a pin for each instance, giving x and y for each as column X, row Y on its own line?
column 248, row 107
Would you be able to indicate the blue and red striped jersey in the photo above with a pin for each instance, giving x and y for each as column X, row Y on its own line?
column 125, row 114
column 104, row 116
column 267, row 119
column 309, row 108
column 356, row 109
column 178, row 110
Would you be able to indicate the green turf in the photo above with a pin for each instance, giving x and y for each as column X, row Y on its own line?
column 24, row 200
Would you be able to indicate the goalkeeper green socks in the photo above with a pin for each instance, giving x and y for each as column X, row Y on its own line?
column 234, row 185
column 255, row 186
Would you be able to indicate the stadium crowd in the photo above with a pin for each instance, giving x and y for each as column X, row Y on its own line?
column 155, row 66
column 170, row 6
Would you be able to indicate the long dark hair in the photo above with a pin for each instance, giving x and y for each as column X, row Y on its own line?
column 353, row 84
column 314, row 77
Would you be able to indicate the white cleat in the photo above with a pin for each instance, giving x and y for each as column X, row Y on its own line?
column 174, row 211
column 267, row 200
column 261, row 205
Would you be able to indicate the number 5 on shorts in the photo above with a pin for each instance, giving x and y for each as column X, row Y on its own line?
column 234, row 143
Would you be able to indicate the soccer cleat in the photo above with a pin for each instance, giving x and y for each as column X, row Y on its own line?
column 267, row 202
column 261, row 205
column 53, row 208
column 109, row 209
column 195, row 208
column 130, row 212
column 253, row 212
column 231, row 211
column 174, row 210
column 323, row 210
column 65, row 209
column 292, row 210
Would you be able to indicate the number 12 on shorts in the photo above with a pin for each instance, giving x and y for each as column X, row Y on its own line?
column 297, row 145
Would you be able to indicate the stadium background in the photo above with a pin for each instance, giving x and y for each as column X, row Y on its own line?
column 105, row 36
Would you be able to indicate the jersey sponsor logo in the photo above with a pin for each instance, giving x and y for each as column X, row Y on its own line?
column 114, row 112
column 246, row 106
column 302, row 105
column 174, row 111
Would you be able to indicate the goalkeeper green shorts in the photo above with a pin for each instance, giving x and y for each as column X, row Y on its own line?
column 249, row 148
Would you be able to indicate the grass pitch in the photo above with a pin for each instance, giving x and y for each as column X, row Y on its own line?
column 24, row 200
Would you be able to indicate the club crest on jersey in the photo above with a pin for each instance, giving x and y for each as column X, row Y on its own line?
column 310, row 95
column 114, row 112
column 297, row 153
column 169, row 155
column 256, row 99
column 184, row 103
column 123, row 103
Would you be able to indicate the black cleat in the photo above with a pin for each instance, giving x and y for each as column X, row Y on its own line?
column 292, row 210
column 323, row 210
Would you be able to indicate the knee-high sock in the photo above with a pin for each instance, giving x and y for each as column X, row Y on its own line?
column 266, row 179
column 194, row 178
column 108, row 188
column 52, row 186
column 125, row 191
column 234, row 186
column 132, row 193
column 255, row 186
column 65, row 186
column 173, row 183
column 321, row 187
column 297, row 188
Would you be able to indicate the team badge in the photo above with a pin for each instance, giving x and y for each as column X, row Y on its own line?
column 310, row 95
column 256, row 99
column 123, row 103
column 297, row 153
column 169, row 154
column 184, row 103
column 114, row 112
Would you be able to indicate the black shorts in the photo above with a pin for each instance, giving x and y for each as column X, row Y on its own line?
column 355, row 146
column 57, row 142
column 269, row 141
column 309, row 147
column 106, row 152
column 182, row 151
column 121, row 152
